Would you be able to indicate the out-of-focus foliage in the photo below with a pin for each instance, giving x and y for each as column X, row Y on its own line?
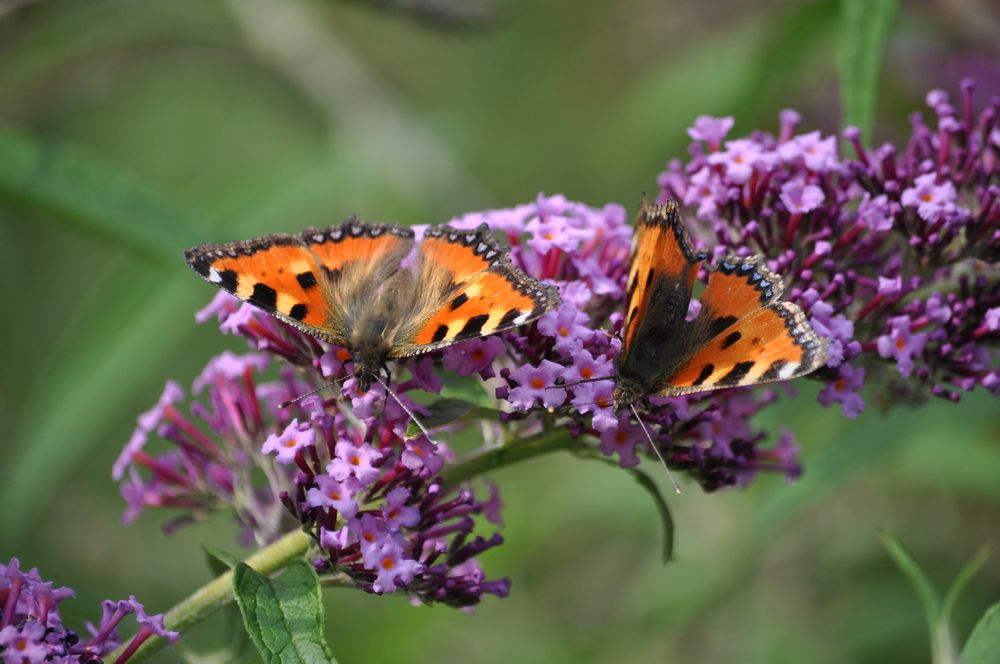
column 129, row 130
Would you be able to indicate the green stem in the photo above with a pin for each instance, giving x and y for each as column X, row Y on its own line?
column 218, row 592
column 499, row 457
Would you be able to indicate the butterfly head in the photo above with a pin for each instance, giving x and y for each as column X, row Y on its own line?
column 627, row 391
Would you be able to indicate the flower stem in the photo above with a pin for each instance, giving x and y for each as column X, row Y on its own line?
column 219, row 591
column 498, row 457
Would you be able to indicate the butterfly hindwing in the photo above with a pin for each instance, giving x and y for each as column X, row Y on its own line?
column 769, row 344
column 467, row 287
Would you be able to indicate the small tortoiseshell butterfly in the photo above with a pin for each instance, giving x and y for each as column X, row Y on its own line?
column 348, row 285
column 743, row 334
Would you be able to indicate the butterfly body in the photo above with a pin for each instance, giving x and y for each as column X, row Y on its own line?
column 355, row 285
column 742, row 335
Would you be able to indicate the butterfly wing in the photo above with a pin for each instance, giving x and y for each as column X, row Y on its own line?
column 744, row 335
column 313, row 280
column 662, row 272
column 466, row 287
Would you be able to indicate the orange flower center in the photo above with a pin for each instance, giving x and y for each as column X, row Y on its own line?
column 537, row 383
column 334, row 495
column 602, row 401
column 900, row 344
column 478, row 355
column 388, row 563
column 393, row 513
column 368, row 537
column 355, row 460
column 620, row 437
column 290, row 442
column 343, row 354
column 586, row 372
column 563, row 331
column 839, row 385
column 926, row 198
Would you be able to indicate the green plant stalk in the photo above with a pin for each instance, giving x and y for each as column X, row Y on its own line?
column 218, row 592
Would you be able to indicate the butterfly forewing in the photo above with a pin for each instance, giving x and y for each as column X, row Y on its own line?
column 663, row 267
column 277, row 273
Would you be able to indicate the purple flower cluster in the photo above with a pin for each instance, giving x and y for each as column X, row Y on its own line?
column 888, row 252
column 31, row 630
column 344, row 469
column 892, row 251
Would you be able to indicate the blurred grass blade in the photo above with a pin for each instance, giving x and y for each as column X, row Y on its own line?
column 666, row 518
column 864, row 31
column 983, row 646
column 283, row 615
column 925, row 590
column 110, row 356
column 73, row 187
column 69, row 409
column 961, row 581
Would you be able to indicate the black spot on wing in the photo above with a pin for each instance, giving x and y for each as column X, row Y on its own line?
column 649, row 277
column 719, row 325
column 298, row 311
column 473, row 326
column 440, row 333
column 228, row 280
column 508, row 318
column 737, row 373
column 773, row 370
column 306, row 279
column 706, row 371
column 459, row 301
column 264, row 297
column 731, row 339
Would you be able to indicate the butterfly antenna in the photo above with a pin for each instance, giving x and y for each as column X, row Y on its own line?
column 286, row 404
column 406, row 408
column 580, row 382
column 677, row 488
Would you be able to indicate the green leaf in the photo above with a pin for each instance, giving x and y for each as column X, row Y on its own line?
column 447, row 411
column 467, row 388
column 983, row 646
column 80, row 189
column 284, row 615
column 647, row 483
column 219, row 561
column 864, row 30
column 925, row 590
column 237, row 644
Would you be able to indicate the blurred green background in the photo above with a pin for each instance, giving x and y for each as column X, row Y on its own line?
column 130, row 130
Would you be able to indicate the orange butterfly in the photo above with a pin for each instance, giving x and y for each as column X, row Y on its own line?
column 743, row 335
column 347, row 285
